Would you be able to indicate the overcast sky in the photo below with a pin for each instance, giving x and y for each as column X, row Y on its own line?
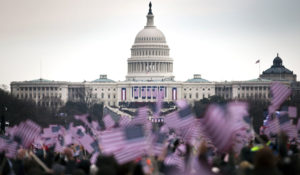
column 77, row 40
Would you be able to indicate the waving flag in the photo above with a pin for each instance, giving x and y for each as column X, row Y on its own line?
column 280, row 93
column 272, row 127
column 119, row 138
column 108, row 121
column 218, row 128
column 87, row 142
column 141, row 117
column 287, row 127
column 124, row 121
column 27, row 132
column 158, row 144
column 182, row 118
column 292, row 111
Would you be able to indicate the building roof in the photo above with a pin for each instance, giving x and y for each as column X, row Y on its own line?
column 197, row 80
column 277, row 67
column 259, row 80
column 103, row 79
column 40, row 80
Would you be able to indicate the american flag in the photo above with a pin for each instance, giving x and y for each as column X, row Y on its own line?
column 60, row 144
column 190, row 133
column 118, row 138
column 158, row 144
column 143, row 92
column 11, row 149
column 218, row 128
column 182, row 118
column 141, row 117
column 154, row 92
column 27, row 132
column 88, row 143
column 108, row 121
column 257, row 61
column 124, row 121
column 159, row 103
column 8, row 146
column 287, row 127
column 280, row 93
column 123, row 94
column 96, row 126
column 51, row 131
column 136, row 92
column 272, row 127
column 174, row 94
column 148, row 92
column 292, row 111
column 129, row 153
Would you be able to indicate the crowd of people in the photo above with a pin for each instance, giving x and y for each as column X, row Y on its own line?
column 276, row 158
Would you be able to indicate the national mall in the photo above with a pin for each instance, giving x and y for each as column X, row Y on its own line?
column 150, row 71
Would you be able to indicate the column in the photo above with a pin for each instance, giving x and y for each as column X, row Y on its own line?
column 141, row 66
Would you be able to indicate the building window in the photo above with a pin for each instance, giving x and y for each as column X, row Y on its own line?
column 26, row 89
column 108, row 96
column 47, row 88
column 197, row 95
column 102, row 95
column 114, row 95
column 190, row 95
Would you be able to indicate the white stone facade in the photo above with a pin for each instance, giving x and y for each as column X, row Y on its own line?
column 150, row 71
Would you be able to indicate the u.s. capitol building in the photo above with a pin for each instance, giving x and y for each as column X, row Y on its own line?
column 150, row 71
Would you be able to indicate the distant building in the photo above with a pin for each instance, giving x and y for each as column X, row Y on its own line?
column 277, row 72
column 150, row 72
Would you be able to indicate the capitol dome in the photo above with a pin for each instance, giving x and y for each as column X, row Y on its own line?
column 150, row 60
column 150, row 34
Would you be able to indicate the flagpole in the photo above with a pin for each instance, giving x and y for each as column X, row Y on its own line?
column 258, row 68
